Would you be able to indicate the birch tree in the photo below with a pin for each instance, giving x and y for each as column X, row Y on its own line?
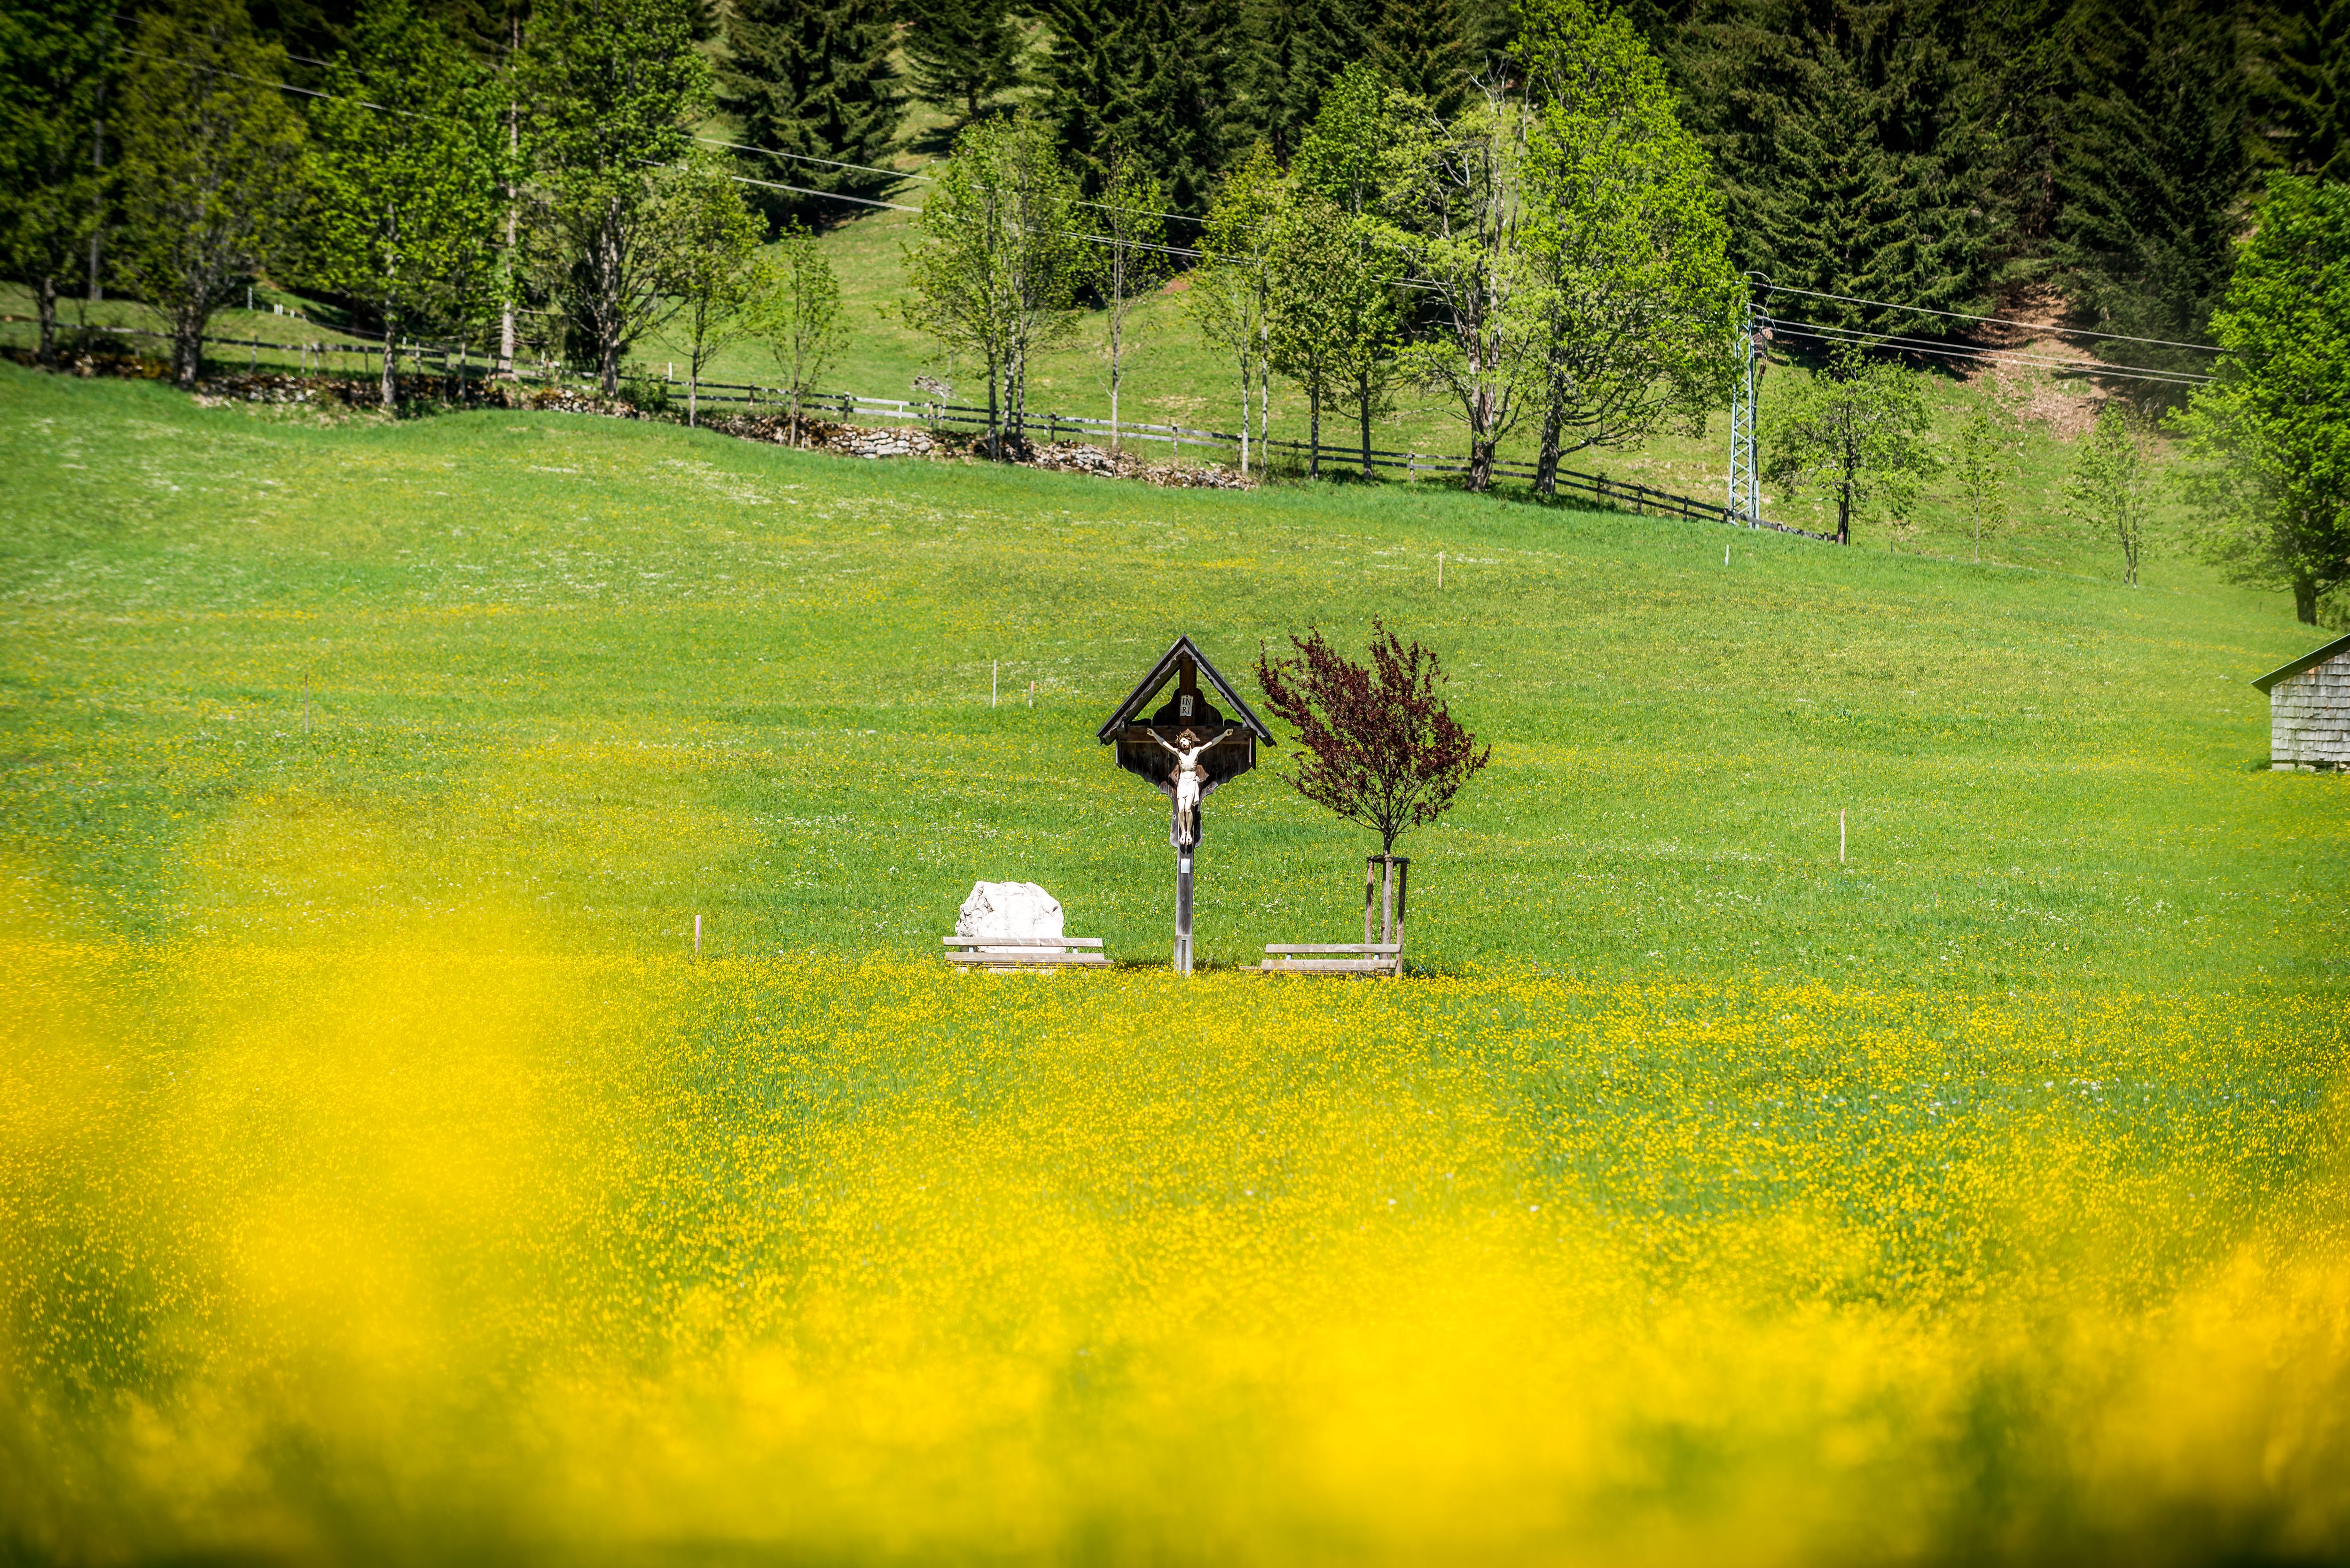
column 2108, row 485
column 1329, row 309
column 1465, row 217
column 995, row 268
column 1225, row 295
column 717, row 238
column 796, row 311
column 1128, row 262
column 1354, row 158
column 1983, row 467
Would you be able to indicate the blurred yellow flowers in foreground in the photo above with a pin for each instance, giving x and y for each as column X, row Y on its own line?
column 442, row 1253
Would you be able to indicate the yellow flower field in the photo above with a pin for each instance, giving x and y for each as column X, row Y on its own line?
column 462, row 1251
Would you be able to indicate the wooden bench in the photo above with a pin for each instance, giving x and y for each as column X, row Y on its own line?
column 1028, row 952
column 1341, row 958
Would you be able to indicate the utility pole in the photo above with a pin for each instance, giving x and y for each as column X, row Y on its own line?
column 1745, row 472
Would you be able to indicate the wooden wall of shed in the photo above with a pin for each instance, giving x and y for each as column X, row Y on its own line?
column 2309, row 716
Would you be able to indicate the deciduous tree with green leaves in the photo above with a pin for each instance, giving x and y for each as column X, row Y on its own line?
column 1638, row 304
column 1225, row 293
column 618, row 89
column 717, row 237
column 2273, row 493
column 1463, row 207
column 1983, row 466
column 60, row 59
column 1127, row 263
column 996, row 267
column 404, row 165
column 1858, row 428
column 2109, row 486
column 212, row 170
column 1328, row 307
column 796, row 310
column 1353, row 157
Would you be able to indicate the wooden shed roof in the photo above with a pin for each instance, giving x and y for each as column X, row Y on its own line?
column 1164, row 671
column 2310, row 660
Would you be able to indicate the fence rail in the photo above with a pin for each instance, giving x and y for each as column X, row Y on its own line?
column 1643, row 499
column 851, row 406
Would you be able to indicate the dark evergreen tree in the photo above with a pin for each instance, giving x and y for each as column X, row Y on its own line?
column 311, row 32
column 2152, row 171
column 1857, row 148
column 1430, row 49
column 1145, row 78
column 2300, row 66
column 1288, row 51
column 962, row 52
column 812, row 86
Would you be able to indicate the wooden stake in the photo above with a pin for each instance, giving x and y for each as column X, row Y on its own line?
column 1439, row 569
column 697, row 934
column 993, row 666
column 1032, row 693
column 1839, row 836
column 306, row 702
column 1402, row 886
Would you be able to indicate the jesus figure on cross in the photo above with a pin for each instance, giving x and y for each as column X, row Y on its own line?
column 1190, row 776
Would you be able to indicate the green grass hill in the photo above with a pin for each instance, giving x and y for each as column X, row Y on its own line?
column 591, row 677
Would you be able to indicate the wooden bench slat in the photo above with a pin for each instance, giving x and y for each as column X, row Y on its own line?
column 1333, row 947
column 1021, row 941
column 1328, row 966
column 1027, row 961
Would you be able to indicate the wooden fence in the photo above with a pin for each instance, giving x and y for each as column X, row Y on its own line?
column 852, row 408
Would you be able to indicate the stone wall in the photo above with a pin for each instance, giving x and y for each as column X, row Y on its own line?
column 2309, row 717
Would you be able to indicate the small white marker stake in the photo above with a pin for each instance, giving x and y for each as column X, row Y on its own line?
column 1725, row 555
column 992, row 667
column 306, row 702
column 697, row 935
column 1032, row 693
column 1440, row 568
column 1839, row 836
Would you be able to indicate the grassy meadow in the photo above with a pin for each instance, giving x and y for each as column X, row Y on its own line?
column 383, row 1179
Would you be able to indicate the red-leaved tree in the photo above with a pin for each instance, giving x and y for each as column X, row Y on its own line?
column 1375, row 741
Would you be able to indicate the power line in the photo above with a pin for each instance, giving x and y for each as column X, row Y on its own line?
column 1818, row 333
column 805, row 191
column 1841, row 336
column 926, row 179
column 2084, row 367
column 1996, row 320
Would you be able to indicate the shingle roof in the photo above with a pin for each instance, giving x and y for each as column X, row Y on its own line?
column 2310, row 660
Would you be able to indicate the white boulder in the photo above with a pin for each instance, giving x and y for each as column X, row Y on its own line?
column 1009, row 909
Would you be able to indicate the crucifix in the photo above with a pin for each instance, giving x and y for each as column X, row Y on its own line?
column 1185, row 748
column 1189, row 777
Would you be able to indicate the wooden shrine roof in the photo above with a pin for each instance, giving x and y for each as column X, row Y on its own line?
column 1131, row 711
